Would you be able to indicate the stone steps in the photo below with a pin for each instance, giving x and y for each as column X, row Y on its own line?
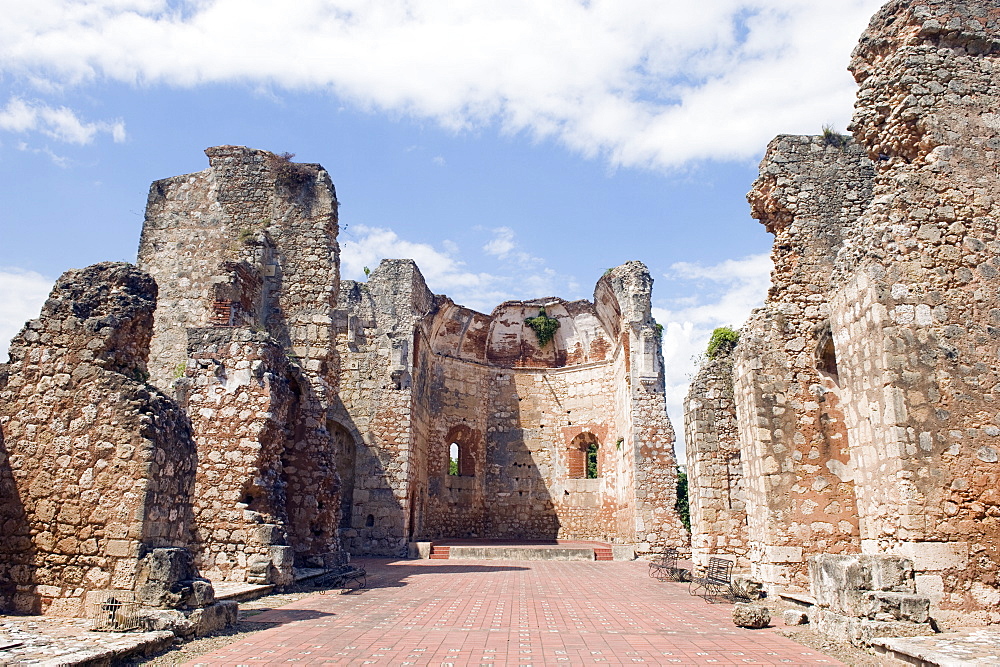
column 440, row 552
column 563, row 552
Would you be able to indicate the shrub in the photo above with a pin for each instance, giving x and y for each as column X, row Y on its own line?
column 683, row 507
column 543, row 326
column 287, row 173
column 833, row 138
column 722, row 342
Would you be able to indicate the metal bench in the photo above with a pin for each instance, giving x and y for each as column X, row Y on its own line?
column 716, row 580
column 664, row 566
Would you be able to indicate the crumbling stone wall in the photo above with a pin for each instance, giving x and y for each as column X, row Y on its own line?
column 376, row 410
column 879, row 338
column 98, row 465
column 251, row 243
column 860, row 597
column 716, row 497
column 799, row 477
column 421, row 373
column 240, row 391
column 915, row 316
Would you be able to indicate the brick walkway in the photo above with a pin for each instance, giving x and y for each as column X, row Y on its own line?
column 510, row 613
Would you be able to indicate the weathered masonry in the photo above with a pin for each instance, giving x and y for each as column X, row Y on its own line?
column 231, row 411
column 424, row 379
column 865, row 389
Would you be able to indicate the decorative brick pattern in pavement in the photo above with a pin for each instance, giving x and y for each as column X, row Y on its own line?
column 434, row 612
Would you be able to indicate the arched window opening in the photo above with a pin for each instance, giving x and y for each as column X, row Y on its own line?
column 460, row 462
column 826, row 352
column 582, row 460
column 462, row 453
column 592, row 461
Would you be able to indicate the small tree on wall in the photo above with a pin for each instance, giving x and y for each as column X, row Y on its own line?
column 722, row 342
column 543, row 326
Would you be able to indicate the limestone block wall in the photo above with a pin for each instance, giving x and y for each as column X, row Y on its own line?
column 240, row 392
column 456, row 505
column 98, row 465
column 799, row 475
column 650, row 480
column 914, row 318
column 251, row 241
column 377, row 348
column 716, row 492
column 421, row 373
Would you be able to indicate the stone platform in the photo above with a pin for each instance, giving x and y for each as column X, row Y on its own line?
column 483, row 549
column 972, row 646
column 51, row 642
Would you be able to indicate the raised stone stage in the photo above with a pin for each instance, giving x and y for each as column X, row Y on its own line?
column 473, row 549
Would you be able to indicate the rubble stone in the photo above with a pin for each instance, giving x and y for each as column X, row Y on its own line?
column 98, row 465
column 749, row 615
column 718, row 500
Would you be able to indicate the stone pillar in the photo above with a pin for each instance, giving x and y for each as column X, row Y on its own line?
column 100, row 463
column 238, row 391
column 800, row 495
column 252, row 242
column 915, row 317
column 648, row 431
column 715, row 468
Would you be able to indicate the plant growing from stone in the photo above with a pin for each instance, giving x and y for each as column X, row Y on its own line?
column 543, row 326
column 833, row 138
column 722, row 342
column 287, row 173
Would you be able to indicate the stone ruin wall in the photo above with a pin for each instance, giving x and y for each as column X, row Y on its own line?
column 455, row 375
column 249, row 245
column 376, row 407
column 799, row 479
column 98, row 465
column 718, row 500
column 897, row 318
column 238, row 385
column 915, row 318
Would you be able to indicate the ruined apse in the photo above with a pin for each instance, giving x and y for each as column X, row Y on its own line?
column 865, row 388
column 425, row 381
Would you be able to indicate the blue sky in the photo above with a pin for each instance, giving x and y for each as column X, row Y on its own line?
column 513, row 149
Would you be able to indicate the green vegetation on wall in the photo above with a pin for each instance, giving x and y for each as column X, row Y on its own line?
column 722, row 342
column 543, row 326
column 682, row 507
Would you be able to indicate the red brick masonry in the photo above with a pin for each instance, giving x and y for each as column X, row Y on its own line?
column 433, row 612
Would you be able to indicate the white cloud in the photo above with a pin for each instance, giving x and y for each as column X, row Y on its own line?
column 22, row 294
column 58, row 160
column 504, row 246
column 366, row 246
column 725, row 295
column 59, row 123
column 502, row 243
column 654, row 83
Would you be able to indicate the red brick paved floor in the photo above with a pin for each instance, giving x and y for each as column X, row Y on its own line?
column 452, row 613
